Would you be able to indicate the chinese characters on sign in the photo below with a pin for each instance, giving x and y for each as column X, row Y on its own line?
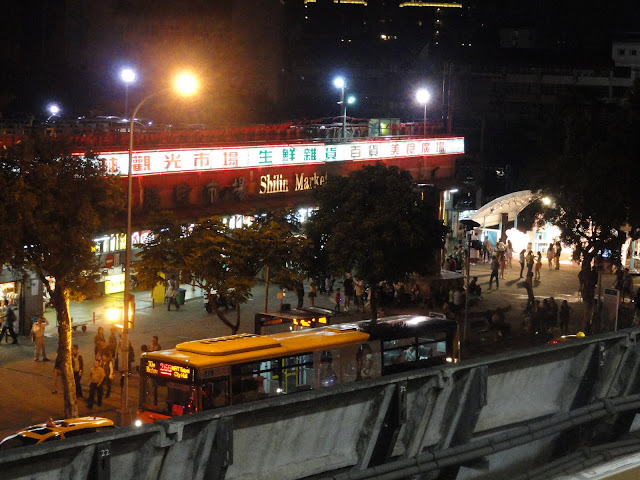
column 226, row 158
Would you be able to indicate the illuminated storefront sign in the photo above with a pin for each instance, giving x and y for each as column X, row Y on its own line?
column 114, row 283
column 167, row 370
column 231, row 158
column 280, row 184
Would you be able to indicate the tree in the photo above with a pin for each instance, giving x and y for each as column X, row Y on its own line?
column 59, row 203
column 592, row 183
column 374, row 224
column 217, row 257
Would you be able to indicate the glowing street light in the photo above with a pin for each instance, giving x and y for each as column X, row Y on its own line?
column 339, row 82
column 423, row 96
column 53, row 110
column 127, row 75
column 185, row 84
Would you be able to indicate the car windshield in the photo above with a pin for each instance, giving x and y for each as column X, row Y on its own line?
column 17, row 441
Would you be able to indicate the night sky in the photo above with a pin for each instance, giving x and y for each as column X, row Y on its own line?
column 72, row 51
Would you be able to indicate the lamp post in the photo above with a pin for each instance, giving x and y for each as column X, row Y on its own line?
column 128, row 76
column 185, row 85
column 53, row 110
column 340, row 83
column 423, row 96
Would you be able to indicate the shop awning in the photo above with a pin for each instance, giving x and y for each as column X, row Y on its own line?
column 490, row 215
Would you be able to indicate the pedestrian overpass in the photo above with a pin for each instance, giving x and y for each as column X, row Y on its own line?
column 529, row 414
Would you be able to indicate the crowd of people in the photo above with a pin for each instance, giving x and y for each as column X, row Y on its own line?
column 105, row 367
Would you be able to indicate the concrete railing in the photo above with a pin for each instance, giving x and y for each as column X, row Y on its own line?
column 494, row 417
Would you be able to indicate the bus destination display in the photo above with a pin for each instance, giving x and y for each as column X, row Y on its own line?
column 167, row 370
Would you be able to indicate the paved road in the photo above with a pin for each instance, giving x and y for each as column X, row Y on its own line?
column 26, row 395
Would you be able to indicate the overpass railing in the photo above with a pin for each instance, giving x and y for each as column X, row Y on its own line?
column 493, row 417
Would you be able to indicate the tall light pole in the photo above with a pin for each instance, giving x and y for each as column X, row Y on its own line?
column 53, row 110
column 340, row 83
column 128, row 76
column 185, row 84
column 423, row 96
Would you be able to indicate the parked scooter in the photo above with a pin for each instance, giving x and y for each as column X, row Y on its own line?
column 221, row 301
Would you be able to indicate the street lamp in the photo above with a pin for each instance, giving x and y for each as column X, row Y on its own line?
column 53, row 110
column 185, row 84
column 423, row 96
column 339, row 82
column 128, row 76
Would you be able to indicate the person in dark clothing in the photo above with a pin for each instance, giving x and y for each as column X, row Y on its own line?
column 495, row 267
column 78, row 367
column 300, row 293
column 349, row 291
column 522, row 262
column 474, row 288
column 7, row 324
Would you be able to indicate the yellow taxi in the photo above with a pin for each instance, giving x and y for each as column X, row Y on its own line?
column 56, row 430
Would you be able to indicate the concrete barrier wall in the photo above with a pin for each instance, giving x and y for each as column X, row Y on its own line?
column 493, row 417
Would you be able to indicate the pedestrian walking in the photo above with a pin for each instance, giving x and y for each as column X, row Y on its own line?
column 98, row 339
column 349, row 291
column 112, row 341
column 300, row 294
column 109, row 373
column 522, row 261
column 550, row 255
column 8, row 324
column 37, row 335
column 538, row 266
column 495, row 266
column 172, row 293
column 338, row 299
column 503, row 263
column 96, row 379
column 509, row 253
column 486, row 250
column 530, row 262
column 312, row 293
column 557, row 252
column 78, row 367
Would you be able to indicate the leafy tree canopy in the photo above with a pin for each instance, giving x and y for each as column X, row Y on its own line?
column 373, row 223
column 592, row 183
column 219, row 258
column 53, row 204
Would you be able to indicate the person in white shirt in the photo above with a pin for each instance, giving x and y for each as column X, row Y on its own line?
column 37, row 334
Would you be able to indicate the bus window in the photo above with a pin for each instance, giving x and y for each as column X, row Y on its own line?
column 367, row 361
column 297, row 373
column 167, row 397
column 328, row 364
column 433, row 347
column 215, row 393
column 256, row 380
column 402, row 350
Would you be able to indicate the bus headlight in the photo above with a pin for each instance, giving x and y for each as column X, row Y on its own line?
column 138, row 423
column 449, row 359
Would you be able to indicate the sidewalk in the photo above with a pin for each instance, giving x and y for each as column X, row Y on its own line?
column 27, row 385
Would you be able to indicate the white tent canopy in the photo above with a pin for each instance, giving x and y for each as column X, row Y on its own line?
column 490, row 215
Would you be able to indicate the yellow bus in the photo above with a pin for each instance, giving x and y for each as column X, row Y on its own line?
column 216, row 372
